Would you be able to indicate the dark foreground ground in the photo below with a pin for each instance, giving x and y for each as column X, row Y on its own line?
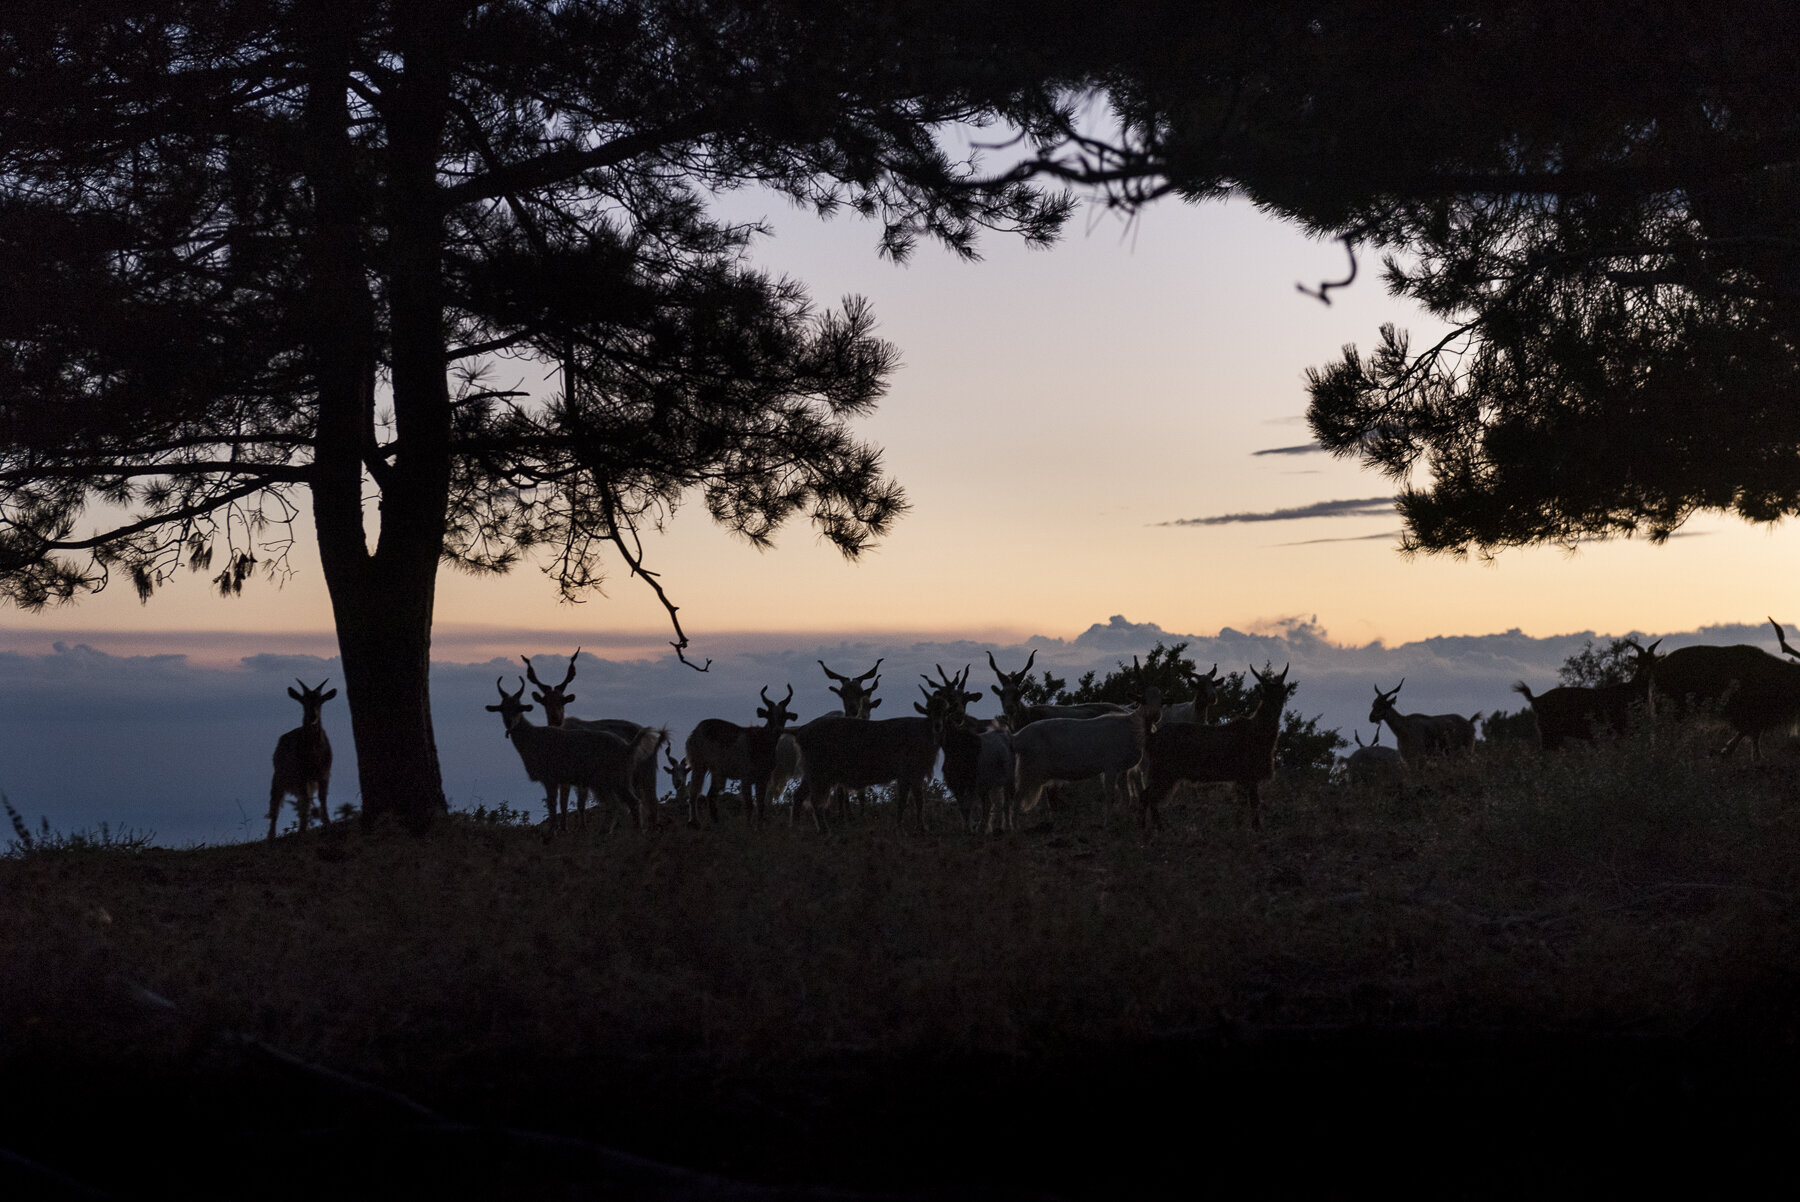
column 1426, row 1113
column 1521, row 976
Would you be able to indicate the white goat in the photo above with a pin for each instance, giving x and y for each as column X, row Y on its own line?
column 303, row 761
column 1072, row 749
column 561, row 759
column 1199, row 710
column 555, row 700
column 1422, row 735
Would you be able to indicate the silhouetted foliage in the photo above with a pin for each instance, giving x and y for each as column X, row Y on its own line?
column 1597, row 200
column 1502, row 727
column 276, row 249
column 1165, row 667
column 1591, row 667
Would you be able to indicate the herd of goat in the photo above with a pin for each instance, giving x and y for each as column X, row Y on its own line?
column 997, row 768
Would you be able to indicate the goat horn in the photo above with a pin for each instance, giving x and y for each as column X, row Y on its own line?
column 1782, row 639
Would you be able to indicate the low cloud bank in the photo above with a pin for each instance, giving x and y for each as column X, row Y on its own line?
column 158, row 742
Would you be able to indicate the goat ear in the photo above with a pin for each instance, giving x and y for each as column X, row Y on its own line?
column 493, row 709
column 568, row 698
column 922, row 709
column 294, row 695
column 875, row 703
column 328, row 697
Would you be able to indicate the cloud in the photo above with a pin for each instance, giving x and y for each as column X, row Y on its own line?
column 1364, row 507
column 1349, row 538
column 1305, row 448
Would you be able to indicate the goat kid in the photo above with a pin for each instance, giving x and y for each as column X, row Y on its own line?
column 303, row 761
column 1241, row 753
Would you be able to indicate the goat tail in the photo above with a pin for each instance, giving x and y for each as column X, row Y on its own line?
column 1524, row 690
column 646, row 744
column 788, row 764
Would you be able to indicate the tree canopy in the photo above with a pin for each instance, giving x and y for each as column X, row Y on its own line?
column 275, row 249
column 1597, row 200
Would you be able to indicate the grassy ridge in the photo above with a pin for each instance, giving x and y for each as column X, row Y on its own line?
column 1627, row 888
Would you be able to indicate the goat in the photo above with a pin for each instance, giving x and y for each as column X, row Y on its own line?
column 555, row 700
column 1187, row 713
column 1576, row 712
column 1199, row 710
column 1011, row 696
column 1373, row 764
column 1010, row 692
column 678, row 776
column 303, row 761
column 726, row 751
column 1422, row 735
column 561, row 758
column 835, row 753
column 858, row 698
column 978, row 756
column 1071, row 749
column 1757, row 692
column 1241, row 753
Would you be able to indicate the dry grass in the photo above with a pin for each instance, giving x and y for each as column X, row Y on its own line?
column 1619, row 889
column 1601, row 889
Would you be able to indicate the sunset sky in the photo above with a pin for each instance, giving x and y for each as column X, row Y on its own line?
column 1059, row 415
column 1072, row 427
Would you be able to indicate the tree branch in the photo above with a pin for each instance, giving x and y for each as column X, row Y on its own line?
column 615, row 525
column 184, row 514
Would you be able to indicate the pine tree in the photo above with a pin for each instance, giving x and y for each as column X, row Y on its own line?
column 271, row 247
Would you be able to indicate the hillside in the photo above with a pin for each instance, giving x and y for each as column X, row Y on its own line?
column 1574, row 952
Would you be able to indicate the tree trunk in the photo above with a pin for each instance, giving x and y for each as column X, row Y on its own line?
column 384, row 639
column 382, row 600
